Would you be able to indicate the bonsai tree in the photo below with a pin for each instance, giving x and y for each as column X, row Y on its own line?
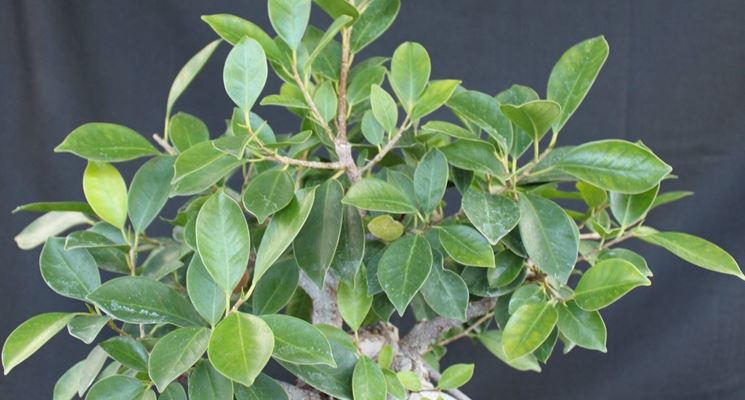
column 301, row 247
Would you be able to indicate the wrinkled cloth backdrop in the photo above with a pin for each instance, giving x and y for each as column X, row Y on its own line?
column 675, row 79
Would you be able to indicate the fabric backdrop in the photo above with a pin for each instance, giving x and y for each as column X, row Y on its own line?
column 675, row 79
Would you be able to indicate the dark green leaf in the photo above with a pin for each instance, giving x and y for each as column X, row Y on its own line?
column 205, row 383
column 527, row 294
column 534, row 117
column 99, row 141
column 430, row 180
column 351, row 248
column 127, row 351
column 483, row 110
column 54, row 206
column 268, row 192
column 276, row 287
column 187, row 74
column 175, row 353
column 492, row 340
column 371, row 128
column 360, row 83
column 507, row 268
column 374, row 20
column 669, row 197
column 206, row 295
column 445, row 291
column 174, row 391
column 466, row 245
column 200, row 167
column 384, row 108
column 71, row 273
column 493, row 216
column 630, row 208
column 410, row 69
column 264, row 388
column 149, row 191
column 448, row 129
column 187, row 130
column 404, row 268
column 233, row 29
column 474, row 155
column 298, row 342
column 434, row 96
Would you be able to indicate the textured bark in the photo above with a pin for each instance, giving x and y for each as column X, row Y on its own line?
column 325, row 310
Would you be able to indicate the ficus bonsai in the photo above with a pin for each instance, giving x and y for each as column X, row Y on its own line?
column 300, row 247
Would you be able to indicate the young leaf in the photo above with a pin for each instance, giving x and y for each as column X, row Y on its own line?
column 445, row 291
column 233, row 29
column 206, row 383
column 354, row 301
column 493, row 216
column 410, row 380
column 534, row 117
column 615, row 165
column 404, row 268
column 474, row 155
column 46, row 206
column 175, row 353
column 118, row 387
column 187, row 74
column 527, row 328
column 326, row 101
column 574, row 74
column 630, row 208
column 103, row 142
column 268, row 192
column 30, row 336
column 368, row 382
column 206, row 295
column 200, row 167
column 245, row 73
column 455, row 376
column 492, row 340
column 638, row 261
column 129, row 352
column 240, row 347
column 87, row 327
column 550, row 237
column 187, row 130
column 430, row 180
column 385, row 227
column 298, row 342
column 384, row 108
column 484, row 111
column 289, row 19
column 371, row 128
column 149, row 191
column 48, row 225
column 376, row 19
column 376, row 195
column 276, row 287
column 71, row 273
column 584, row 328
column 67, row 385
column 106, row 192
column 466, row 245
column 434, row 96
column 516, row 95
column 410, row 69
column 223, row 240
column 606, row 282
column 351, row 248
column 669, row 197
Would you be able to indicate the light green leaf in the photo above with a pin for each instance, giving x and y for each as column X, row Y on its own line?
column 697, row 251
column 233, row 29
column 615, row 165
column 223, row 240
column 630, row 208
column 351, row 248
column 410, row 69
column 206, row 383
column 669, row 197
column 46, row 206
column 434, row 96
column 483, row 110
column 337, row 8
column 466, row 245
column 385, row 227
column 298, row 342
column 268, row 192
column 374, row 20
column 200, row 167
column 276, row 287
column 455, row 376
column 638, row 261
column 584, row 328
column 282, row 230
column 67, row 385
column 240, row 347
column 534, row 117
column 493, row 216
column 574, row 74
column 410, row 380
column 403, row 269
column 368, row 382
column 395, row 389
column 264, row 388
column 174, row 391
column 106, row 192
column 48, row 225
column 289, row 19
column 149, row 191
column 206, row 295
column 384, row 108
column 245, row 73
column 447, row 128
column 430, row 180
column 140, row 300
column 87, row 327
column 187, row 74
column 606, row 282
column 175, row 353
column 71, row 273
column 550, row 237
column 376, row 195
column 91, row 368
column 361, row 81
column 326, row 101
column 445, row 291
column 99, row 141
column 353, row 300
column 187, row 130
column 30, row 336
column 527, row 328
column 117, row 387
column 492, row 340
column 592, row 195
column 129, row 352
column 474, row 155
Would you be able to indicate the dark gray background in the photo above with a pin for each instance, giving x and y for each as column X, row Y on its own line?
column 675, row 79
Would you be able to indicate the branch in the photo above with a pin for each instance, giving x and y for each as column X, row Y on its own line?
column 308, row 99
column 341, row 143
column 325, row 310
column 164, row 144
column 297, row 393
column 388, row 146
column 306, row 163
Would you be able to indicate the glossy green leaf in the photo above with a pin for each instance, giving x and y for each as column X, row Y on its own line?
column 298, row 342
column 30, row 336
column 404, row 268
column 527, row 294
column 445, row 291
column 466, row 245
column 326, row 39
column 368, row 382
column 430, row 180
column 86, row 327
column 474, row 155
column 455, row 376
column 175, row 353
column 669, row 197
column 240, row 347
column 282, row 230
column 268, row 192
column 337, row 8
column 376, row 195
column 187, row 74
column 149, row 191
column 187, row 130
column 233, row 29
column 492, row 340
column 484, row 111
column 615, row 165
column 507, row 268
column 384, row 108
column 104, row 142
column 638, row 261
column 353, row 300
column 245, row 73
column 206, row 295
column 550, row 237
column 48, row 225
column 174, row 391
column 91, row 240
column 410, row 69
column 223, row 240
column 351, row 248
column 47, row 206
column 140, row 300
column 516, row 95
column 264, row 388
column 584, row 328
column 434, row 96
column 206, row 383
column 106, row 192
column 574, row 74
column 527, row 328
column 448, row 129
column 376, row 18
column 361, row 81
column 371, row 128
column 606, row 282
column 697, row 251
column 630, row 208
column 317, row 241
column 128, row 351
column 276, row 287
column 117, row 387
column 71, row 273
column 493, row 216
column 289, row 19
column 200, row 167
column 592, row 195
column 534, row 117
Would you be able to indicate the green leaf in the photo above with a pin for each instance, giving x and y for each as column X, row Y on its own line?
column 298, row 342
column 282, row 230
column 697, row 251
column 574, row 74
column 48, row 225
column 317, row 241
column 240, row 347
column 206, row 295
column 289, row 19
column 175, row 353
column 360, row 83
column 484, row 111
column 117, row 387
column 140, row 300
column 448, row 129
column 445, row 291
column 268, row 192
column 410, row 69
column 584, row 328
column 174, row 391
column 638, row 261
column 395, row 389
column 434, row 96
column 385, row 227
column 326, row 101
column 516, row 95
column 223, row 240
column 466, row 245
column 354, row 301
column 233, row 29
column 404, row 268
column 376, row 195
column 71, row 273
column 410, row 380
column 337, row 8
column 493, row 216
column 47, row 206
column 264, row 388
column 149, row 191
column 606, row 282
column 455, row 376
column 474, row 155
column 245, row 73
column 534, row 117
column 86, row 327
column 669, row 197
column 206, row 383
column 492, row 340
column 384, row 108
column 30, row 336
column 91, row 368
column 106, row 192
column 592, row 195
column 351, row 248
column 200, row 167
column 527, row 328
column 507, row 268
column 129, row 352
column 187, row 130
column 527, row 294
column 276, row 287
column 368, row 382
column 430, row 180
column 187, row 74
column 630, row 208
column 92, row 240
column 615, row 165
column 67, row 385
column 374, row 20
column 327, row 37
column 550, row 237
column 99, row 141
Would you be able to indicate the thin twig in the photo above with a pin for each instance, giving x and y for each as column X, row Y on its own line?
column 164, row 144
column 467, row 331
column 308, row 99
column 388, row 146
